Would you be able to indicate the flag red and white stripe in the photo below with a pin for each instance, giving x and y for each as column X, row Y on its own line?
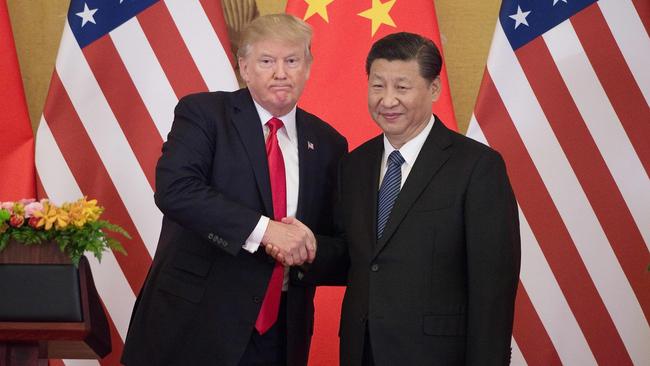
column 569, row 111
column 108, row 110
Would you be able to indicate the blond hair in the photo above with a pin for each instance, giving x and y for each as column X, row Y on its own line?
column 284, row 27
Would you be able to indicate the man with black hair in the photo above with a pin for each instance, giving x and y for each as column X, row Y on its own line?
column 428, row 242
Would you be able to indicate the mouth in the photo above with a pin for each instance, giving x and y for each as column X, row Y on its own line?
column 280, row 87
column 392, row 116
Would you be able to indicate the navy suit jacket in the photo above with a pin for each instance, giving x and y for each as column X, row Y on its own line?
column 199, row 303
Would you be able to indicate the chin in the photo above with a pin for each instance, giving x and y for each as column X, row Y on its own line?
column 283, row 100
column 391, row 124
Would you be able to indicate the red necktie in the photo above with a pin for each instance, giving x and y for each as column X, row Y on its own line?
column 269, row 311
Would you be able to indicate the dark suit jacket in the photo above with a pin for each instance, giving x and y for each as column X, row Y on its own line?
column 199, row 303
column 439, row 287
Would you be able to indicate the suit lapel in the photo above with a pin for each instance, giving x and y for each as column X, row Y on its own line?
column 248, row 125
column 433, row 155
column 307, row 163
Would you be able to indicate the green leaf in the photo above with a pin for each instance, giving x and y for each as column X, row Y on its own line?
column 4, row 239
column 4, row 215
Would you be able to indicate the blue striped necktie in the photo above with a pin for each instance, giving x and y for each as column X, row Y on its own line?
column 389, row 190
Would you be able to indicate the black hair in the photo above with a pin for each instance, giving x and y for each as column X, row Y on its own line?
column 406, row 46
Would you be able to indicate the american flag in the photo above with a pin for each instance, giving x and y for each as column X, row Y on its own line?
column 565, row 99
column 121, row 68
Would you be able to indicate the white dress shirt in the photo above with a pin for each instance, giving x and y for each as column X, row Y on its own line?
column 410, row 151
column 288, row 141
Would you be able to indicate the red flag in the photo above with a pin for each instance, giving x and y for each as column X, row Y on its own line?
column 343, row 34
column 565, row 99
column 16, row 136
column 337, row 92
column 121, row 68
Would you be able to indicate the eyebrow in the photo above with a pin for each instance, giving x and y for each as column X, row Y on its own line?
column 399, row 79
column 264, row 54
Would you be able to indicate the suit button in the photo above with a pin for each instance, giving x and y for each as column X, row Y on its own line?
column 374, row 267
column 257, row 299
column 224, row 243
column 210, row 236
column 300, row 275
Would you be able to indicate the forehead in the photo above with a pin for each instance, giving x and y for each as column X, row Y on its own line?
column 395, row 69
column 276, row 47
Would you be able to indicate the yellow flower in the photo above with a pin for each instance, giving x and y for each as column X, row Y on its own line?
column 75, row 213
column 46, row 217
column 52, row 216
column 90, row 209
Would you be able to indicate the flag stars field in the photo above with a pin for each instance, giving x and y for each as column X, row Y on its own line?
column 520, row 17
column 87, row 15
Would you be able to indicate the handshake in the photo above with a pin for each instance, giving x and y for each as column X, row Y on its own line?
column 289, row 242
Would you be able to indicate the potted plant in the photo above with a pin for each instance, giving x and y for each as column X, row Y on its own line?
column 75, row 227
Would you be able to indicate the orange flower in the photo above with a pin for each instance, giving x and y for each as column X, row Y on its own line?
column 82, row 211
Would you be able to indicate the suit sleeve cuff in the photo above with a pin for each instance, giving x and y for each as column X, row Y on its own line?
column 255, row 238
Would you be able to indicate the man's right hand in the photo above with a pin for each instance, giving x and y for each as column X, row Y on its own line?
column 290, row 242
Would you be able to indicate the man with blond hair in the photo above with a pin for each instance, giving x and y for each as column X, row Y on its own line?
column 233, row 166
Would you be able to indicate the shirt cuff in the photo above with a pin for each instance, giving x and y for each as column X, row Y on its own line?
column 255, row 238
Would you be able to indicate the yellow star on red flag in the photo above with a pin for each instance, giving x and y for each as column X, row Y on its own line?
column 379, row 14
column 317, row 7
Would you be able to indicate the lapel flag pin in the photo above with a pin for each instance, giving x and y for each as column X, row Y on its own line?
column 310, row 146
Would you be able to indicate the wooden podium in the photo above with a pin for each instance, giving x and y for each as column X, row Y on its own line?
column 52, row 310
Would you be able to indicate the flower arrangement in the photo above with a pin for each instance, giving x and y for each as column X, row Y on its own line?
column 75, row 226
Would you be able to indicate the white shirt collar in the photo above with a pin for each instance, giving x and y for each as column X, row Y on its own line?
column 289, row 119
column 411, row 148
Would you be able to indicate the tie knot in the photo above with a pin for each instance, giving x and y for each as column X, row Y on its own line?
column 396, row 158
column 274, row 124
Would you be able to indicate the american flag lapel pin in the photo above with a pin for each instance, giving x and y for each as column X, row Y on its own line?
column 310, row 145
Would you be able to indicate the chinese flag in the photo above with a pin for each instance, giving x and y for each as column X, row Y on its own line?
column 344, row 30
column 16, row 136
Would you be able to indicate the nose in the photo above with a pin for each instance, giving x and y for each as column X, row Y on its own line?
column 389, row 98
column 280, row 72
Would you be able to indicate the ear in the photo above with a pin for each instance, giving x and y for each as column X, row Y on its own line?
column 243, row 68
column 435, row 88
